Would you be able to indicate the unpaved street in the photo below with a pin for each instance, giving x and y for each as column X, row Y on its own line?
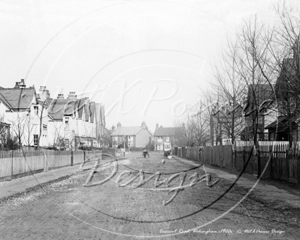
column 121, row 208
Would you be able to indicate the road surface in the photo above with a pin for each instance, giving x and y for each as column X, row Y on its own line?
column 126, row 200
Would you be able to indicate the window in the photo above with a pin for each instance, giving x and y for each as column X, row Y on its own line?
column 36, row 110
column 35, row 139
column 66, row 123
column 45, row 127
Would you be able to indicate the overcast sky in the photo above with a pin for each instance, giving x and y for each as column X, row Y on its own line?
column 144, row 60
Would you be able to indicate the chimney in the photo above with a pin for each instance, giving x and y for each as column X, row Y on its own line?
column 113, row 128
column 60, row 96
column 144, row 126
column 157, row 126
column 72, row 96
column 119, row 125
column 20, row 84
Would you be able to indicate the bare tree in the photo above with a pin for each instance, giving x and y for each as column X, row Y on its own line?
column 231, row 91
column 19, row 125
column 198, row 126
column 4, row 131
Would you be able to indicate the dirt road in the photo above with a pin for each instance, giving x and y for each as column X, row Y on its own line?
column 183, row 203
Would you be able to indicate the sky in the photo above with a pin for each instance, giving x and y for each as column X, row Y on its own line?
column 143, row 60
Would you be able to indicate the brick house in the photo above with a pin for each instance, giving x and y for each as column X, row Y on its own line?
column 165, row 137
column 133, row 137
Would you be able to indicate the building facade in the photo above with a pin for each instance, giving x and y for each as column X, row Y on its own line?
column 166, row 137
column 36, row 119
column 131, row 137
column 21, row 108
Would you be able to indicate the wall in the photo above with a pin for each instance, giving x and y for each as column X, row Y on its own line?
column 142, row 138
column 55, row 130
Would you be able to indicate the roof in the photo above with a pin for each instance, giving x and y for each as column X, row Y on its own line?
column 257, row 94
column 126, row 131
column 92, row 110
column 80, row 106
column 166, row 131
column 17, row 98
column 58, row 108
column 121, row 131
column 281, row 124
column 287, row 82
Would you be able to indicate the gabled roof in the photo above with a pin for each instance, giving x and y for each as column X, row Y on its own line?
column 86, row 112
column 167, row 131
column 92, row 110
column 80, row 106
column 58, row 108
column 257, row 94
column 17, row 98
column 121, row 131
column 287, row 83
column 282, row 124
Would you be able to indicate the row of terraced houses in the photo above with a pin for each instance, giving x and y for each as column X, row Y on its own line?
column 34, row 118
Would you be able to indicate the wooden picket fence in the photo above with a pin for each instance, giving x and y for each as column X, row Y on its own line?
column 18, row 163
column 273, row 160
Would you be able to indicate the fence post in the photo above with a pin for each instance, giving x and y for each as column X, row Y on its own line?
column 244, row 157
column 84, row 156
column 234, row 159
column 298, row 170
column 12, row 164
column 72, row 158
column 45, row 162
column 258, row 163
column 288, row 165
column 271, row 164
column 211, row 155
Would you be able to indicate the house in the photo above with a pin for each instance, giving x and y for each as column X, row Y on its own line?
column 72, row 122
column 37, row 119
column 259, row 111
column 166, row 137
column 133, row 137
column 285, row 127
column 21, row 108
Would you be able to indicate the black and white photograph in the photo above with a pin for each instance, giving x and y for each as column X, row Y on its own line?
column 149, row 119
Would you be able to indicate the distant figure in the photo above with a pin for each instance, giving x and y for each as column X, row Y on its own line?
column 167, row 153
column 145, row 153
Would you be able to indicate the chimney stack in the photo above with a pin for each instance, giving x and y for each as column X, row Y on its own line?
column 20, row 84
column 60, row 96
column 144, row 126
column 119, row 125
column 72, row 96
